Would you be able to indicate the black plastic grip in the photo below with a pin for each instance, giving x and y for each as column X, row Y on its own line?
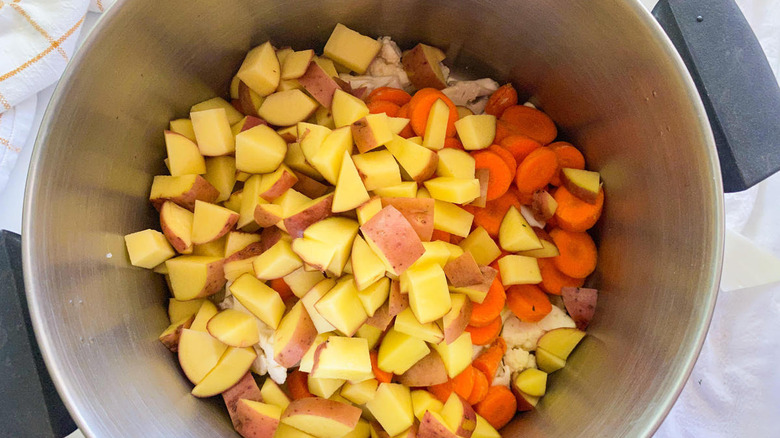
column 735, row 82
column 29, row 403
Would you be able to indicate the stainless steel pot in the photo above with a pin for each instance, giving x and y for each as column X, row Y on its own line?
column 603, row 69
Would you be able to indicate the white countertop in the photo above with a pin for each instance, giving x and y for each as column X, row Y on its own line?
column 735, row 388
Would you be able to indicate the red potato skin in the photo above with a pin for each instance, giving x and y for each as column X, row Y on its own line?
column 488, row 275
column 215, row 279
column 285, row 181
column 469, row 421
column 420, row 70
column 173, row 238
column 229, row 224
column 430, row 427
column 298, row 222
column 397, row 302
column 458, row 326
column 363, row 136
column 483, row 175
column 201, row 190
column 252, row 424
column 382, row 317
column 251, row 122
column 245, row 105
column 309, row 186
column 395, row 237
column 523, row 404
column 427, row 371
column 541, row 205
column 463, row 271
column 580, row 302
column 171, row 340
column 265, row 218
column 418, row 211
column 245, row 388
column 321, row 86
column 292, row 353
column 376, row 429
column 269, row 237
column 343, row 413
column 251, row 250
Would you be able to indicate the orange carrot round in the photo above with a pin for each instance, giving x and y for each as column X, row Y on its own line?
column 487, row 334
column 490, row 216
column 531, row 122
column 508, row 158
column 520, row 146
column 486, row 312
column 501, row 99
column 453, row 143
column 381, row 376
column 498, row 407
column 489, row 359
column 441, row 391
column 298, row 385
column 441, row 235
column 389, row 94
column 403, row 111
column 464, row 382
column 578, row 254
column 568, row 156
column 505, row 129
column 574, row 214
column 553, row 279
column 536, row 170
column 383, row 106
column 420, row 106
column 281, row 287
column 500, row 175
column 528, row 302
column 480, row 389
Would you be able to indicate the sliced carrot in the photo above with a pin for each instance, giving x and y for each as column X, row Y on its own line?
column 441, row 391
column 498, row 407
column 501, row 99
column 487, row 334
column 536, row 170
column 420, row 106
column 507, row 156
column 574, row 214
column 485, row 313
column 499, row 178
column 553, row 279
column 531, row 122
column 464, row 382
column 441, row 235
column 578, row 253
column 381, row 376
column 407, row 132
column 568, row 156
column 281, row 287
column 389, row 94
column 298, row 385
column 453, row 143
column 505, row 129
column 490, row 358
column 520, row 146
column 480, row 389
column 528, row 302
column 383, row 106
column 490, row 216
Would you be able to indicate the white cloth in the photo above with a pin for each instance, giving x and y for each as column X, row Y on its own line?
column 37, row 39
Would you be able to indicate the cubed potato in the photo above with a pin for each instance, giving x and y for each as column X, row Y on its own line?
column 406, row 189
column 178, row 310
column 183, row 190
column 257, row 419
column 368, row 209
column 417, row 211
column 337, row 233
column 451, row 218
column 295, row 64
column 342, row 358
column 204, row 314
column 370, row 333
column 367, row 267
column 429, row 296
column 374, row 295
column 233, row 364
column 342, row 308
column 233, row 115
column 397, row 124
column 351, row 49
column 176, row 225
column 433, row 425
column 382, row 317
column 543, row 205
column 301, row 281
column 456, row 164
column 234, row 328
column 347, row 109
column 319, row 83
column 245, row 388
column 314, row 211
column 392, row 407
column 259, row 150
column 584, row 184
column 422, row 66
column 311, row 298
column 215, row 248
column 483, row 429
column 548, row 362
column 456, row 320
column 238, row 241
column 210, row 222
column 286, row 108
column 276, row 183
column 454, row 190
column 310, row 186
column 307, row 361
column 221, row 173
column 277, row 261
column 456, row 355
column 297, row 161
column 236, row 268
column 250, row 199
column 213, row 133
column 418, row 161
column 248, row 103
column 371, row 132
column 184, row 157
column 399, row 351
column 264, row 302
column 327, row 160
column 294, row 336
column 234, row 201
column 377, row 169
column 311, row 137
column 478, row 292
column 463, row 271
column 292, row 202
column 274, row 395
column 324, row 117
column 350, row 191
column 198, row 354
column 261, row 70
column 477, row 131
column 406, row 322
column 483, row 176
column 532, row 382
column 321, row 417
column 393, row 239
column 516, row 269
column 423, row 401
column 459, row 416
column 560, row 342
column 183, row 127
column 481, row 246
column 436, row 126
column 427, row 371
column 362, row 430
column 360, row 393
column 515, row 234
column 397, row 302
column 195, row 276
column 170, row 336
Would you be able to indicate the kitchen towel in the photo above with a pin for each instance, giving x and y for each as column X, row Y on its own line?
column 37, row 39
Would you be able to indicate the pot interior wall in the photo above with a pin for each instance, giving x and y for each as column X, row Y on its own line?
column 596, row 66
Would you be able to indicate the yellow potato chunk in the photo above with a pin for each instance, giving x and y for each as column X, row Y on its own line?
column 455, row 163
column 148, row 248
column 436, row 127
column 422, row 401
column 343, row 358
column 233, row 364
column 392, row 407
column 234, row 328
column 399, row 351
column 451, row 218
column 456, row 355
column 377, row 169
column 429, row 295
column 515, row 234
column 484, row 429
column 517, row 269
column 212, row 131
column 371, row 131
column 259, row 150
column 278, row 261
column 454, row 190
column 274, row 395
column 350, row 191
column 195, row 276
column 342, row 308
column 264, row 302
column 221, row 173
column 295, row 64
column 370, row 334
column 406, row 322
column 360, row 393
column 327, row 160
column 476, row 131
column 481, row 246
column 367, row 268
column 323, row 387
column 184, row 157
column 406, row 189
column 347, row 109
column 183, row 127
column 532, row 382
column 260, row 70
column 311, row 137
column 351, row 49
column 307, row 361
column 233, row 114
column 286, row 108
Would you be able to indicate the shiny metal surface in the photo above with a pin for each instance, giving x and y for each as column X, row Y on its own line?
column 601, row 68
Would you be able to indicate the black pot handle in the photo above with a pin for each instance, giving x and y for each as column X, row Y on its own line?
column 735, row 82
column 29, row 405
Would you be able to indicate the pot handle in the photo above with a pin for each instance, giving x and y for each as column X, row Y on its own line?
column 30, row 405
column 735, row 82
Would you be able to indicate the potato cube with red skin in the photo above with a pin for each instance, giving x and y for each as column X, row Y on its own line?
column 257, row 419
column 246, row 388
column 183, row 190
column 321, row 417
column 463, row 271
column 319, row 84
column 393, row 239
column 418, row 211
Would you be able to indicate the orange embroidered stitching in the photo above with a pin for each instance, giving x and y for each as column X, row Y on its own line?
column 4, row 102
column 37, row 27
